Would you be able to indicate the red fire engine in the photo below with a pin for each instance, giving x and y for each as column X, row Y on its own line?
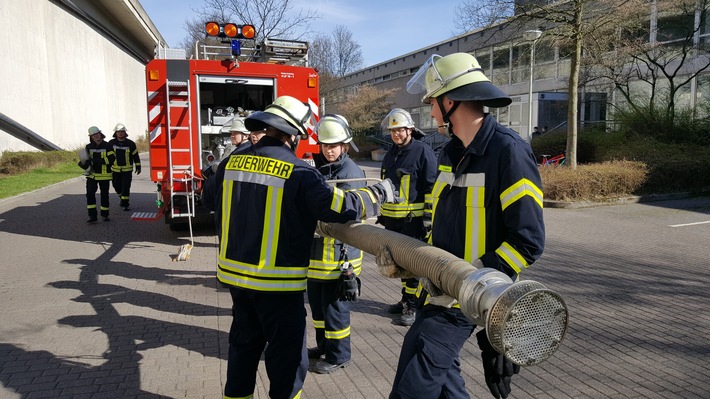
column 191, row 104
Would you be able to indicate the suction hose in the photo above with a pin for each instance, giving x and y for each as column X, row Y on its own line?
column 524, row 320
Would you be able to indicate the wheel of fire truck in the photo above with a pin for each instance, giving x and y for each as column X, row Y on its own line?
column 175, row 224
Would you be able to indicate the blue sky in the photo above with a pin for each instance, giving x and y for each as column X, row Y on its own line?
column 384, row 28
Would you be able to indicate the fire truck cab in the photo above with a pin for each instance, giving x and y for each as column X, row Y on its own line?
column 192, row 102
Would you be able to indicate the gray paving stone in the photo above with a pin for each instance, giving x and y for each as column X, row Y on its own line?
column 116, row 317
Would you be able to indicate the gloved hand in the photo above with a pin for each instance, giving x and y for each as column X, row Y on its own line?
column 436, row 295
column 497, row 369
column 384, row 191
column 387, row 267
column 138, row 169
column 84, row 165
column 348, row 285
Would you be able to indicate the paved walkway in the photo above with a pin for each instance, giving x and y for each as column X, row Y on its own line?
column 102, row 312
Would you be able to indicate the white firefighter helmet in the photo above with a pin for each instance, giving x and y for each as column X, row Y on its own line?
column 238, row 126
column 398, row 118
column 120, row 127
column 460, row 77
column 286, row 114
column 94, row 130
column 334, row 129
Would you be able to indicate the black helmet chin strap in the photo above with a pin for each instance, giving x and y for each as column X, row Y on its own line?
column 445, row 116
column 294, row 142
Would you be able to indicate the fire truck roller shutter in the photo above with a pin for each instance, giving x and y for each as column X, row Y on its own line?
column 178, row 70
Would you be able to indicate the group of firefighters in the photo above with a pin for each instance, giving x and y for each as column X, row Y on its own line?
column 480, row 200
column 105, row 162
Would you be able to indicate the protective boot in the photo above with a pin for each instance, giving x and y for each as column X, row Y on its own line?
column 92, row 216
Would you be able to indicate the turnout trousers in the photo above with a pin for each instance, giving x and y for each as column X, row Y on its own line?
column 429, row 366
column 122, row 185
column 331, row 318
column 92, row 185
column 261, row 318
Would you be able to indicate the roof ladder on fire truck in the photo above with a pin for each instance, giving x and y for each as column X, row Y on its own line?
column 180, row 151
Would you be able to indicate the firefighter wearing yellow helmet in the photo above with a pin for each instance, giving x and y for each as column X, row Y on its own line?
column 127, row 159
column 333, row 264
column 280, row 198
column 486, row 209
column 96, row 159
column 411, row 165
column 238, row 136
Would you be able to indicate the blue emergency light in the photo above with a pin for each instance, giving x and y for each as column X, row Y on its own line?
column 236, row 47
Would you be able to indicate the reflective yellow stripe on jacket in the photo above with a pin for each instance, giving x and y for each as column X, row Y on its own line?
column 405, row 208
column 265, row 276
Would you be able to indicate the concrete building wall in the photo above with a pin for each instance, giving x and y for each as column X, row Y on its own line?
column 60, row 75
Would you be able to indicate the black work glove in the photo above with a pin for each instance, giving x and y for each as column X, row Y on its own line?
column 348, row 285
column 84, row 165
column 497, row 369
column 138, row 169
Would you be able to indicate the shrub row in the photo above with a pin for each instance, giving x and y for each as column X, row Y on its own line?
column 597, row 181
column 669, row 167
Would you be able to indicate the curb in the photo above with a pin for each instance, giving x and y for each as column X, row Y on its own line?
column 624, row 200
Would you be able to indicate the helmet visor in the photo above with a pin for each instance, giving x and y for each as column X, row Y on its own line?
column 417, row 84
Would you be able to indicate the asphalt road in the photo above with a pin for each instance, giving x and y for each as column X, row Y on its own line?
column 102, row 311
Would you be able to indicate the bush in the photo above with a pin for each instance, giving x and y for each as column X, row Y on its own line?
column 671, row 167
column 15, row 162
column 599, row 181
column 681, row 126
column 142, row 143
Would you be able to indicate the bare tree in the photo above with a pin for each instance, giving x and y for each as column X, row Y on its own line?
column 475, row 14
column 334, row 56
column 366, row 107
column 271, row 18
column 568, row 22
column 664, row 59
column 338, row 54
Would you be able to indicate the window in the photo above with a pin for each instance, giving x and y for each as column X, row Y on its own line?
column 677, row 27
column 501, row 66
column 484, row 59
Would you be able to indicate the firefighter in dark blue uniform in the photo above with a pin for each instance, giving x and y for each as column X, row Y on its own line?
column 268, row 202
column 127, row 158
column 487, row 209
column 97, row 158
column 411, row 165
column 238, row 136
column 331, row 259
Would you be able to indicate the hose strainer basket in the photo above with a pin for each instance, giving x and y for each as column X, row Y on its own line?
column 527, row 323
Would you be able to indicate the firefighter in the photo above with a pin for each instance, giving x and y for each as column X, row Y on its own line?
column 332, row 261
column 127, row 159
column 487, row 209
column 280, row 198
column 411, row 165
column 256, row 135
column 239, row 137
column 98, row 158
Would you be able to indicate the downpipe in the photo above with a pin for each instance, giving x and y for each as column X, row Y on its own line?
column 524, row 320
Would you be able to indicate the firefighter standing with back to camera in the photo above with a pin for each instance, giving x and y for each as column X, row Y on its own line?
column 411, row 165
column 332, row 261
column 126, row 159
column 97, row 159
column 268, row 203
column 487, row 209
